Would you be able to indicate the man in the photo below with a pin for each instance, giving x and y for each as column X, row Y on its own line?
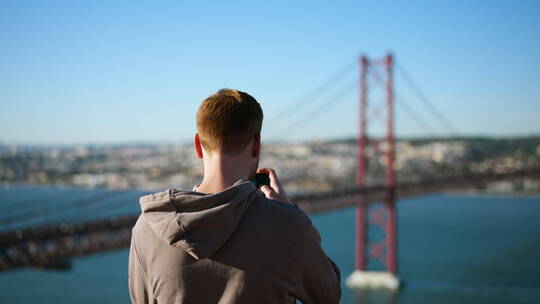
column 226, row 241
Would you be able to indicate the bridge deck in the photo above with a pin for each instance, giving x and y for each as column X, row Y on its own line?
column 53, row 245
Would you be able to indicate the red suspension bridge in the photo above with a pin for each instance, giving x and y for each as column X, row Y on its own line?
column 40, row 237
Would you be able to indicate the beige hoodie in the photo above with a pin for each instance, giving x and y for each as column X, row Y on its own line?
column 235, row 246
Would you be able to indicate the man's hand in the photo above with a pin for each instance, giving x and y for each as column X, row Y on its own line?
column 275, row 191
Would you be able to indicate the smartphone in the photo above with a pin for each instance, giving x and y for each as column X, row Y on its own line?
column 261, row 179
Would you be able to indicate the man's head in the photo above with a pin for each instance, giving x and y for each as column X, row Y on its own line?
column 227, row 121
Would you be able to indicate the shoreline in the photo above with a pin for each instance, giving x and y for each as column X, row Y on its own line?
column 467, row 193
column 534, row 194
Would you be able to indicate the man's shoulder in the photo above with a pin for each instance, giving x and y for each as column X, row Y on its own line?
column 138, row 227
column 283, row 212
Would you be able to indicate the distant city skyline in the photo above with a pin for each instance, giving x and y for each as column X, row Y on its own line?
column 74, row 72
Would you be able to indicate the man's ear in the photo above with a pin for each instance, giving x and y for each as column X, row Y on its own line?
column 256, row 147
column 197, row 145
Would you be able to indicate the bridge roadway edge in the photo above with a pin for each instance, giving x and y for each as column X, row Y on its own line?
column 53, row 246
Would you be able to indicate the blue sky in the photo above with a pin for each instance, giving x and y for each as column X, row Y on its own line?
column 121, row 71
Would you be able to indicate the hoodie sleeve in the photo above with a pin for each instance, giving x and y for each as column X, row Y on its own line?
column 320, row 278
column 139, row 285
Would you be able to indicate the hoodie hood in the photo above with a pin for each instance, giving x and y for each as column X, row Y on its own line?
column 195, row 222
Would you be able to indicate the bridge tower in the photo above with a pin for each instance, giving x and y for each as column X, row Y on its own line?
column 376, row 217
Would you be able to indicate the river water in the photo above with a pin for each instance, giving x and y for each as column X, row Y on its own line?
column 452, row 249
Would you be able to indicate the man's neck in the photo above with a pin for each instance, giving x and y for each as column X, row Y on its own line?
column 216, row 184
column 221, row 172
